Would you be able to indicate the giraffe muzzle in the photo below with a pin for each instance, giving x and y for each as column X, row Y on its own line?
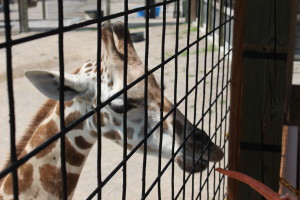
column 198, row 151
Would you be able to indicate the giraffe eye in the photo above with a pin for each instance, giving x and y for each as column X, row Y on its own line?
column 120, row 108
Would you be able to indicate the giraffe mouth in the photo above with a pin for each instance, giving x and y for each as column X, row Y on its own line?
column 191, row 165
column 199, row 163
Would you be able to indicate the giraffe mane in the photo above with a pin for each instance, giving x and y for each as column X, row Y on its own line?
column 38, row 118
column 42, row 114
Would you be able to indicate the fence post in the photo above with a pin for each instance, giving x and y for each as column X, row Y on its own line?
column 107, row 7
column 222, row 19
column 201, row 13
column 193, row 10
column 260, row 63
column 210, row 14
column 23, row 15
column 236, row 96
column 44, row 9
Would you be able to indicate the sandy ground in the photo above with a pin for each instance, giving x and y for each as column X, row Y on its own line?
column 80, row 46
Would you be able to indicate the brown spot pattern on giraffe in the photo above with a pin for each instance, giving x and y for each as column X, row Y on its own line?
column 112, row 134
column 105, row 116
column 74, row 158
column 66, row 104
column 73, row 117
column 22, row 154
column 179, row 128
column 50, row 177
column 42, row 114
column 43, row 133
column 165, row 126
column 76, row 71
column 116, row 122
column 89, row 65
column 25, row 175
column 87, row 71
column 167, row 105
column 129, row 146
column 93, row 133
column 69, row 103
column 82, row 143
column 101, row 119
column 149, row 149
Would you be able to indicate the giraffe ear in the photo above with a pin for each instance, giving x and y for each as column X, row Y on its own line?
column 108, row 43
column 119, row 30
column 48, row 83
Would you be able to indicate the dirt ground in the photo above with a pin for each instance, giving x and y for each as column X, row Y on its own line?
column 80, row 46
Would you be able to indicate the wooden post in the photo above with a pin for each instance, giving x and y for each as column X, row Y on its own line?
column 222, row 19
column 201, row 13
column 193, row 10
column 290, row 60
column 259, row 70
column 236, row 96
column 210, row 17
column 295, row 120
column 44, row 9
column 107, row 9
column 23, row 15
column 185, row 8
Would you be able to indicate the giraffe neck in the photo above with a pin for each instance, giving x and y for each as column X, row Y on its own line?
column 40, row 177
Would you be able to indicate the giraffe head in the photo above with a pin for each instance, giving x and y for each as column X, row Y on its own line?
column 82, row 87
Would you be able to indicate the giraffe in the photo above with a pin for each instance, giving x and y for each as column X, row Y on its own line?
column 40, row 177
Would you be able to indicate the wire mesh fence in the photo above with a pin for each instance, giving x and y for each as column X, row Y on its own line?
column 176, row 104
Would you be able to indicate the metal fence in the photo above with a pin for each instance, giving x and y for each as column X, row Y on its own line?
column 196, row 72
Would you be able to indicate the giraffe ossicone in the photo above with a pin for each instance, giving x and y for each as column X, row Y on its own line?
column 40, row 177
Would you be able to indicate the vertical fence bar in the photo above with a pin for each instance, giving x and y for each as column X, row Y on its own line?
column 145, row 98
column 196, row 90
column 61, row 96
column 99, row 133
column 211, row 85
column 125, row 99
column 175, row 97
column 222, row 95
column 227, row 91
column 186, row 92
column 204, row 93
column 218, row 190
column 10, row 90
column 162, row 95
